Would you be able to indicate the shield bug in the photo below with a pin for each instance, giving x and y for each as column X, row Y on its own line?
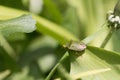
column 75, row 46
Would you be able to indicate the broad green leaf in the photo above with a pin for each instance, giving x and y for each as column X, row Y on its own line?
column 102, row 64
column 23, row 23
column 44, row 26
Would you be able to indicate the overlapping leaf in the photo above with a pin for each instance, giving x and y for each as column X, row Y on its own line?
column 24, row 23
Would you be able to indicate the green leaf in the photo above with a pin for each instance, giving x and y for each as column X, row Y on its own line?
column 20, row 24
column 4, row 74
column 6, row 62
column 94, row 35
column 117, row 9
column 102, row 64
column 52, row 11
column 44, row 26
column 23, row 23
column 71, row 22
column 15, row 37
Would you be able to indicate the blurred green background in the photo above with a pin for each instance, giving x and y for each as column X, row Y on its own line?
column 38, row 53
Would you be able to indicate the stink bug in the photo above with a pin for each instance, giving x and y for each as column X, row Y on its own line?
column 75, row 46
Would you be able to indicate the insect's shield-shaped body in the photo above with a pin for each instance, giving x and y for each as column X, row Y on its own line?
column 76, row 47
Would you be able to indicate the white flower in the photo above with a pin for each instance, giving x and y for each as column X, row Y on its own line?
column 110, row 17
column 117, row 18
column 112, row 20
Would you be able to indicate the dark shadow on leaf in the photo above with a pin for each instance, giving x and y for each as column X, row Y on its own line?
column 31, row 58
column 7, row 62
column 28, row 57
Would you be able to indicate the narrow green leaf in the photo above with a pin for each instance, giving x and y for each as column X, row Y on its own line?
column 7, row 47
column 4, row 74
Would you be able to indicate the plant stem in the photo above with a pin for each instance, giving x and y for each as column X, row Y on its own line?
column 104, row 43
column 55, row 67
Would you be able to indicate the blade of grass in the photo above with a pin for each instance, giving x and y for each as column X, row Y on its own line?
column 4, row 74
column 6, row 46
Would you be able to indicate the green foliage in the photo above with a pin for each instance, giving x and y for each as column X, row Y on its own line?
column 38, row 47
column 21, row 24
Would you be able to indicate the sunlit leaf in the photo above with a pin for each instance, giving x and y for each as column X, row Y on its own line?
column 96, row 59
column 44, row 26
column 4, row 74
column 23, row 23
